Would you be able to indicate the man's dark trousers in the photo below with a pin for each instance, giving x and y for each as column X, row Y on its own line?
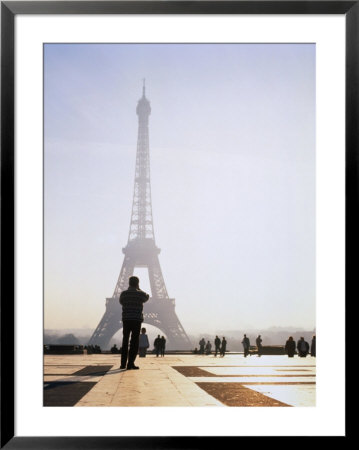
column 132, row 327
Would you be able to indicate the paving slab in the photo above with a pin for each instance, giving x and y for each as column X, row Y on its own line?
column 179, row 380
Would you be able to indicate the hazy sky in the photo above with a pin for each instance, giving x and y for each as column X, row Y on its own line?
column 232, row 148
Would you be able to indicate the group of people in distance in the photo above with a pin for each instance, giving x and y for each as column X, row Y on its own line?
column 220, row 347
column 160, row 345
column 302, row 347
column 246, row 345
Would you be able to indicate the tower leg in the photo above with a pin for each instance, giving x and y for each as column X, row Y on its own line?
column 108, row 326
column 157, row 282
column 126, row 272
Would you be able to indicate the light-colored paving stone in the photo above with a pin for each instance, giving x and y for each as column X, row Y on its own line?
column 264, row 371
column 254, row 379
column 158, row 383
column 155, row 384
column 292, row 395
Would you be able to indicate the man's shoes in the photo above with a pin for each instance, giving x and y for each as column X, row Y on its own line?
column 132, row 367
column 122, row 367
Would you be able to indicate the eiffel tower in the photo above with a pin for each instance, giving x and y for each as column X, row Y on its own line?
column 141, row 251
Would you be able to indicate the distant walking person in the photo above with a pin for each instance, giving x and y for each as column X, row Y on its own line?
column 217, row 344
column 132, row 301
column 290, row 347
column 208, row 348
column 223, row 346
column 245, row 344
column 114, row 349
column 312, row 347
column 157, row 345
column 202, row 343
column 163, row 345
column 143, row 343
column 259, row 344
column 302, row 347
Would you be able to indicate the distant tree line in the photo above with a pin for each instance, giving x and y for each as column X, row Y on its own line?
column 66, row 339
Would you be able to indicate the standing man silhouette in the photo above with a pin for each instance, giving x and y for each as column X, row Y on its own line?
column 246, row 345
column 217, row 344
column 163, row 345
column 223, row 346
column 302, row 347
column 202, row 343
column 157, row 345
column 132, row 301
column 312, row 347
column 290, row 347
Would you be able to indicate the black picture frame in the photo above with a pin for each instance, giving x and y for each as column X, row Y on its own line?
column 9, row 10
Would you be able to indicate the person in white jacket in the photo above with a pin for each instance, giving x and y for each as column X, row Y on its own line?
column 143, row 343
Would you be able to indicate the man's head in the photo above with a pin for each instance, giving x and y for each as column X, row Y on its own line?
column 133, row 282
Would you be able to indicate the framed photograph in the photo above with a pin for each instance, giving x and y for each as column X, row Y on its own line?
column 178, row 213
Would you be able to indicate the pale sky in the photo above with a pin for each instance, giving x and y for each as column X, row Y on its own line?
column 232, row 148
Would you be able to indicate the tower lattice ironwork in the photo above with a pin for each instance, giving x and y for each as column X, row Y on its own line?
column 141, row 251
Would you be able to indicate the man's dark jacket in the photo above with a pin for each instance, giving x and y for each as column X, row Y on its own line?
column 132, row 302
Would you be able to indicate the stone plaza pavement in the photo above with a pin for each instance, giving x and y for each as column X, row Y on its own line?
column 179, row 380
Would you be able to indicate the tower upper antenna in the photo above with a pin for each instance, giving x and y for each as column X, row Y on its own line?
column 144, row 87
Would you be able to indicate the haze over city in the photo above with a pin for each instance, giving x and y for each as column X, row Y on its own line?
column 232, row 148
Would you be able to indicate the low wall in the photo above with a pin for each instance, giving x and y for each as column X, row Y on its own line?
column 269, row 350
column 63, row 349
